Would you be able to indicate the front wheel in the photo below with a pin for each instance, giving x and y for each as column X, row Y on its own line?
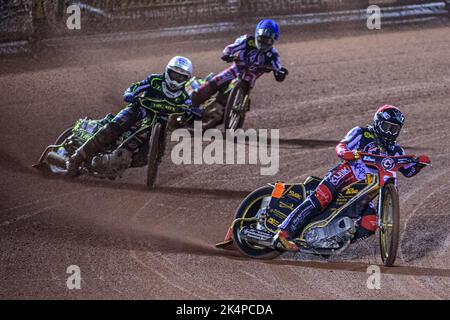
column 249, row 209
column 390, row 225
column 237, row 106
column 153, row 155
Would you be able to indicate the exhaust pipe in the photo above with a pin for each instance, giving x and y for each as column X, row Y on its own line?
column 57, row 160
column 261, row 237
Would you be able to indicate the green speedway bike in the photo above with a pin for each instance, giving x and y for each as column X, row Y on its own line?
column 148, row 139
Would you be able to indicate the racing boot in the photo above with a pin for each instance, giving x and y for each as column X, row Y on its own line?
column 91, row 147
column 204, row 93
column 294, row 223
column 283, row 240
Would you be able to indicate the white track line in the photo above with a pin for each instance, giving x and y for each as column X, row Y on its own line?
column 29, row 215
column 43, row 200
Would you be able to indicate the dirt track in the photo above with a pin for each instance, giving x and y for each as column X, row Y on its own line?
column 130, row 243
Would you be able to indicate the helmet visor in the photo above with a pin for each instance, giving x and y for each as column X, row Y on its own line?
column 265, row 42
column 390, row 128
column 177, row 77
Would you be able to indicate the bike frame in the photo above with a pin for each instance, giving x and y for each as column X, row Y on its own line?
column 146, row 125
column 371, row 188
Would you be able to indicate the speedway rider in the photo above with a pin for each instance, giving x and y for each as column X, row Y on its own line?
column 378, row 138
column 252, row 56
column 165, row 91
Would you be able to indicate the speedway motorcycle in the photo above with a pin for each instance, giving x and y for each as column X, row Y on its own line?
column 229, row 105
column 149, row 138
column 260, row 214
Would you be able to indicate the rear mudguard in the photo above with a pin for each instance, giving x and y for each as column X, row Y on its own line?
column 228, row 237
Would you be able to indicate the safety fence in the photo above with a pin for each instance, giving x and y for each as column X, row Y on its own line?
column 21, row 19
column 16, row 20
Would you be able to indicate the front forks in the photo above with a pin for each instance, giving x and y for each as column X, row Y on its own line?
column 380, row 208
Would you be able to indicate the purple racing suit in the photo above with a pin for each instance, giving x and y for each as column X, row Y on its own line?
column 249, row 63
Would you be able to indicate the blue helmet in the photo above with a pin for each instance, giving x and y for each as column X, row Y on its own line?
column 267, row 32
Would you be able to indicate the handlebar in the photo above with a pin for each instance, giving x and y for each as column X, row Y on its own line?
column 235, row 59
column 388, row 163
column 189, row 111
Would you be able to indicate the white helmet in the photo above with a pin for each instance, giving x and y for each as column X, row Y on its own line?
column 178, row 72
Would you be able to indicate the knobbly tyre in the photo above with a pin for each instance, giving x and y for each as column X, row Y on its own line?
column 259, row 215
column 229, row 105
column 149, row 138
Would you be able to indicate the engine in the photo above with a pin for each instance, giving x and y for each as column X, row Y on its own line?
column 112, row 163
column 331, row 236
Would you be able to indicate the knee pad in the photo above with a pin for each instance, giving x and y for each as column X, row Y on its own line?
column 108, row 134
column 369, row 222
column 323, row 195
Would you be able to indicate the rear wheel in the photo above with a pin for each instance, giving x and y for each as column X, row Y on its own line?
column 390, row 225
column 153, row 155
column 236, row 106
column 248, row 209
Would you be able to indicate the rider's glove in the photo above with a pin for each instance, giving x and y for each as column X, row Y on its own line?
column 128, row 97
column 228, row 58
column 281, row 74
column 350, row 155
column 423, row 160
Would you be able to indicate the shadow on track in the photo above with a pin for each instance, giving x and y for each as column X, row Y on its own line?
column 200, row 193
column 203, row 193
column 311, row 143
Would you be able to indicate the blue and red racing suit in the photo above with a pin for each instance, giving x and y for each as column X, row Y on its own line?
column 345, row 173
column 249, row 63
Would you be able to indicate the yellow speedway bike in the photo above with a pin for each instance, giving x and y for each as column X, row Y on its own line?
column 258, row 217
